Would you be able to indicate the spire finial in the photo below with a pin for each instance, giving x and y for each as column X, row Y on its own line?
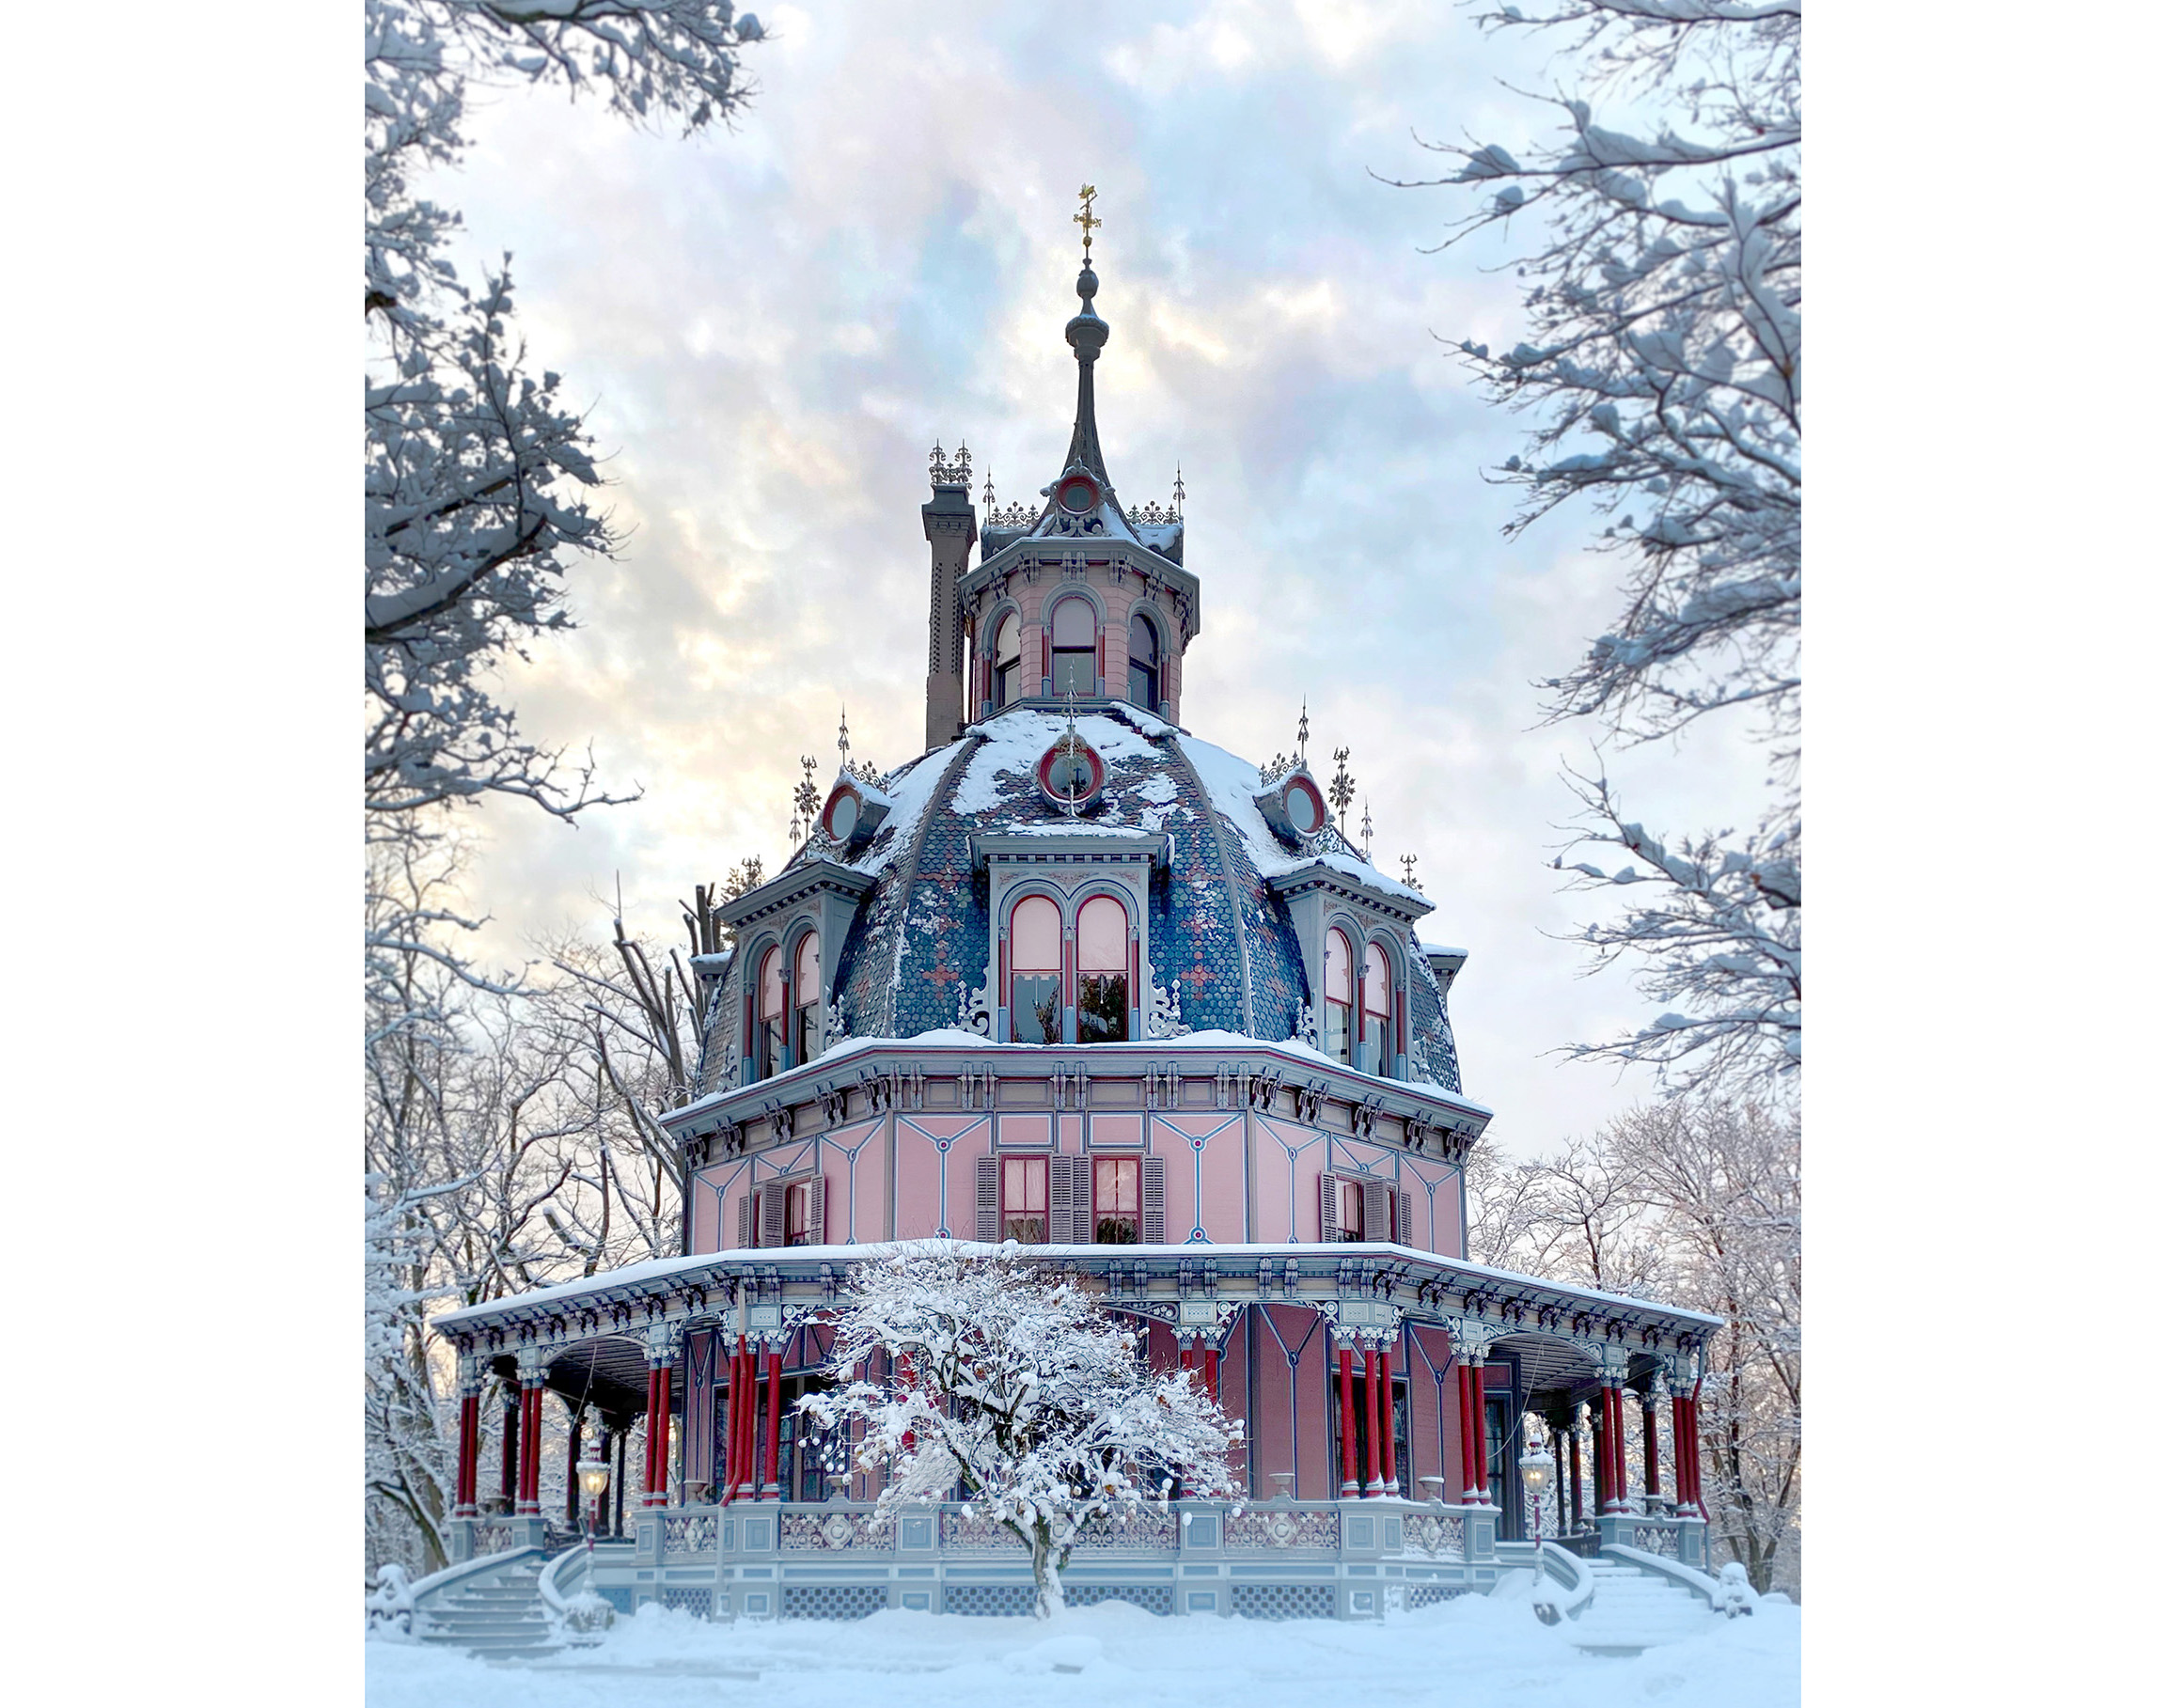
column 1301, row 735
column 1368, row 831
column 843, row 738
column 1180, row 497
column 1086, row 219
column 988, row 499
column 1407, row 864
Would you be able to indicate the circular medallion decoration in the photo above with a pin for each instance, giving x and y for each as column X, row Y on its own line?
column 843, row 815
column 1076, row 494
column 1070, row 774
column 1304, row 805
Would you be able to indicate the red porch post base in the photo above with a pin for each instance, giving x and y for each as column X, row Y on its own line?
column 1390, row 1423
column 1347, row 1484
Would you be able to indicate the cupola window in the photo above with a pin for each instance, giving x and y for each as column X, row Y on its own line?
column 1034, row 976
column 767, row 1038
column 1007, row 661
column 1377, row 1013
column 1337, row 996
column 804, row 1045
column 1142, row 663
column 1074, row 648
column 1102, row 972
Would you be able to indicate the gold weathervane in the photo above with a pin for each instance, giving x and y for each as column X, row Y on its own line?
column 1089, row 192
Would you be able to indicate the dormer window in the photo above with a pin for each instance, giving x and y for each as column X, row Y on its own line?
column 1337, row 996
column 1376, row 1053
column 1074, row 648
column 805, row 1042
column 1102, row 972
column 1142, row 663
column 1034, row 976
column 1007, row 661
column 767, row 1038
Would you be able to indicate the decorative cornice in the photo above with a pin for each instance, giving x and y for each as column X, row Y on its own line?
column 792, row 886
column 1316, row 874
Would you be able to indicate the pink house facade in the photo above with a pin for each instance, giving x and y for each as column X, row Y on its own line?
column 1077, row 979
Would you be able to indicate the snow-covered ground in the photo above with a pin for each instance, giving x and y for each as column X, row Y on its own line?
column 1478, row 1649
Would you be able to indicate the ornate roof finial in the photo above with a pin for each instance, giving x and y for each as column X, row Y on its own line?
column 1301, row 735
column 1180, row 497
column 988, row 498
column 1341, row 794
column 805, row 802
column 842, row 738
column 1087, row 337
column 1368, row 830
column 1089, row 194
column 1406, row 865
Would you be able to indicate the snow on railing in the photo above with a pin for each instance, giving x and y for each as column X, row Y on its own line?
column 1576, row 1584
column 428, row 1589
column 578, row 1613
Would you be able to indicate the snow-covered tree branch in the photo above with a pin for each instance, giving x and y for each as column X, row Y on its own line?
column 1664, row 373
column 1009, row 1379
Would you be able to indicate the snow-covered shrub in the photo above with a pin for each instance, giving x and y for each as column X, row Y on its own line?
column 1011, row 1379
column 391, row 1603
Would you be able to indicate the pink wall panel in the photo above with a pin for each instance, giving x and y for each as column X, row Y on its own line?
column 706, row 1212
column 1176, row 1137
column 1027, row 1130
column 917, row 1184
column 1435, row 1212
column 1436, row 1427
column 1108, row 1129
column 1288, row 1159
column 973, row 1139
column 724, row 1184
column 1225, row 1189
column 1305, row 1335
column 853, row 1159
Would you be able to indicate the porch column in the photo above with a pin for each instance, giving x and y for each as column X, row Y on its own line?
column 1349, row 1485
column 617, row 1482
column 571, row 1466
column 1373, row 1482
column 732, row 1450
column 529, row 1501
column 1613, row 1478
column 466, row 1504
column 662, row 1343
column 1481, row 1410
column 774, row 1484
column 1211, row 1372
column 1572, row 1440
column 1651, row 1437
column 508, row 1468
column 1685, row 1443
column 1471, row 1487
column 1390, row 1420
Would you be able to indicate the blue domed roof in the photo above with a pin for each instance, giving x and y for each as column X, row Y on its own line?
column 918, row 940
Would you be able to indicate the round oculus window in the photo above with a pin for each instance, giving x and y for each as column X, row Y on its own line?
column 843, row 815
column 1304, row 808
column 1076, row 495
column 1071, row 774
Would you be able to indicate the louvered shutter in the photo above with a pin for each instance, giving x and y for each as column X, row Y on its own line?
column 744, row 1234
column 1403, row 1217
column 1153, row 1201
column 988, row 1197
column 774, row 1202
column 1328, row 1207
column 816, row 1216
column 1375, row 1210
column 1060, row 1195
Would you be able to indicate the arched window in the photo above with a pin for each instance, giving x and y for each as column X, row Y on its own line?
column 1102, row 972
column 805, row 994
column 1337, row 996
column 1142, row 663
column 1376, row 1052
column 767, row 1037
column 1007, row 661
column 1074, row 648
column 1034, row 971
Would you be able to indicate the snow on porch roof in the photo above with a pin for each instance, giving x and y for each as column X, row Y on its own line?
column 655, row 1279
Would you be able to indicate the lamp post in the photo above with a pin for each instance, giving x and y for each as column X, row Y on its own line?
column 1536, row 1467
column 593, row 1483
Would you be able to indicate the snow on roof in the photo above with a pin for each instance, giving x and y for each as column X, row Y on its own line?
column 1015, row 741
column 1232, row 783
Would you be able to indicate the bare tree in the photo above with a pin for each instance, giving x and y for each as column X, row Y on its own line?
column 1664, row 367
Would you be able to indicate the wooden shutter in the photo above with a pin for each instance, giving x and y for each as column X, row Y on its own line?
column 774, row 1204
column 816, row 1213
column 1375, row 1210
column 1403, row 1217
column 1060, row 1195
column 1328, row 1207
column 988, row 1197
column 1153, row 1201
column 746, row 1236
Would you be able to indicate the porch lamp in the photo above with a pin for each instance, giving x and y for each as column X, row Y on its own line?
column 1537, row 1465
column 593, row 1483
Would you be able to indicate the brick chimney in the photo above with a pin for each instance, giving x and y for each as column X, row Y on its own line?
column 950, row 530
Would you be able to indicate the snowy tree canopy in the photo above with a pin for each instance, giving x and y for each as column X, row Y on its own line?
column 477, row 482
column 1664, row 368
column 1007, row 1377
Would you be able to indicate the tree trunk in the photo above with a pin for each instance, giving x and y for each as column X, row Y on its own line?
column 1046, row 1571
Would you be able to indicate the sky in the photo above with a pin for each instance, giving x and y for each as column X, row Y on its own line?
column 770, row 327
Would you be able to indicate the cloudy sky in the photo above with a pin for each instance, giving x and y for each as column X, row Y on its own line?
column 771, row 328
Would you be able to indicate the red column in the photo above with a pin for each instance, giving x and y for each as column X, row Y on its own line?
column 507, row 1470
column 1467, row 1483
column 1390, row 1442
column 1211, row 1371
column 469, row 1451
column 1347, row 1485
column 733, row 1426
column 529, row 1500
column 658, row 1438
column 1685, row 1426
column 1652, row 1440
column 1613, row 1448
column 1372, row 1482
column 1479, row 1406
column 773, row 1421
column 1572, row 1444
